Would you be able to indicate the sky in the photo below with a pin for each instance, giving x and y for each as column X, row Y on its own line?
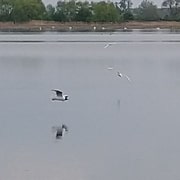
column 135, row 2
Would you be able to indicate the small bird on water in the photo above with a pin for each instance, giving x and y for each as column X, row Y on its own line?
column 59, row 96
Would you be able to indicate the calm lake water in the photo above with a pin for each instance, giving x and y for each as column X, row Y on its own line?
column 117, row 129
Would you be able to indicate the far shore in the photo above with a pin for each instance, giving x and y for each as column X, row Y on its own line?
column 38, row 26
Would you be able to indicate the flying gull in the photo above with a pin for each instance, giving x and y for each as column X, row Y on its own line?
column 59, row 95
column 123, row 75
column 119, row 74
column 108, row 45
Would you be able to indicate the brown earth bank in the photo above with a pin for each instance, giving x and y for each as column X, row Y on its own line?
column 38, row 26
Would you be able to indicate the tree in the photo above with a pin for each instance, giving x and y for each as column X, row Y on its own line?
column 5, row 10
column 65, row 11
column 71, row 10
column 125, row 9
column 125, row 5
column 105, row 12
column 50, row 12
column 83, row 11
column 173, row 6
column 24, row 10
column 60, row 13
column 127, row 15
column 147, row 11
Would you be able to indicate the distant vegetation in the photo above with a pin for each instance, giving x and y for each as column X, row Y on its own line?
column 84, row 11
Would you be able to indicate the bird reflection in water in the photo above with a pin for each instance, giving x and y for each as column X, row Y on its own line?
column 118, row 104
column 60, row 131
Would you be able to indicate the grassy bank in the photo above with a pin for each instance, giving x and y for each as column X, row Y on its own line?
column 83, row 27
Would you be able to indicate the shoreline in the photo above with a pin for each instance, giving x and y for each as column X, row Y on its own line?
column 43, row 26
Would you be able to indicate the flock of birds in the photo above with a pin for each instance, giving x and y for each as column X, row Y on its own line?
column 111, row 68
column 59, row 96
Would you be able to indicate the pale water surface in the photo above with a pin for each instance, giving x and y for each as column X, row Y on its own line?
column 117, row 129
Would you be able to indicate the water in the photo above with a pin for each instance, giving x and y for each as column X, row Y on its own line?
column 117, row 129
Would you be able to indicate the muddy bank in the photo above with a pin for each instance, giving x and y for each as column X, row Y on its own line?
column 38, row 26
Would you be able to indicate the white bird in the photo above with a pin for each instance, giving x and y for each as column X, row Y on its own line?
column 59, row 96
column 123, row 75
column 109, row 44
column 60, row 131
column 110, row 68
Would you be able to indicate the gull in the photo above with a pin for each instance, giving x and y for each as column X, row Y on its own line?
column 110, row 68
column 60, row 131
column 59, row 95
column 123, row 75
column 119, row 74
column 108, row 44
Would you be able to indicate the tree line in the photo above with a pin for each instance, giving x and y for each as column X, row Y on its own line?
column 85, row 11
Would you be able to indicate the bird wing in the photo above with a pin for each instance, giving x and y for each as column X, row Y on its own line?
column 58, row 92
column 65, row 127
